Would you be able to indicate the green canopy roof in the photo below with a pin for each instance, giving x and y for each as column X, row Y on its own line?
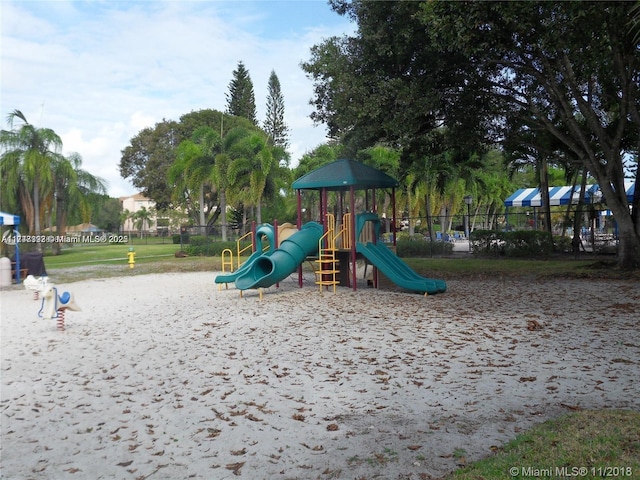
column 344, row 174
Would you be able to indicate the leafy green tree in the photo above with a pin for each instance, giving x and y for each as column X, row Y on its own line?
column 319, row 156
column 388, row 84
column 105, row 211
column 28, row 154
column 570, row 68
column 147, row 158
column 274, row 124
column 150, row 154
column 316, row 158
column 241, row 100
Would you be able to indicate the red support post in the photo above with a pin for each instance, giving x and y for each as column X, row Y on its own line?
column 354, row 238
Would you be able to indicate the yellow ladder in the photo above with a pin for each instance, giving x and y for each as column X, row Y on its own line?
column 327, row 261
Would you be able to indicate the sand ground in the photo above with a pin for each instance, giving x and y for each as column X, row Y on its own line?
column 167, row 377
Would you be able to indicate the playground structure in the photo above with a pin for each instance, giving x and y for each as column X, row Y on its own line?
column 334, row 249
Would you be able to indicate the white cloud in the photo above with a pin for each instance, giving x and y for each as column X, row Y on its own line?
column 99, row 72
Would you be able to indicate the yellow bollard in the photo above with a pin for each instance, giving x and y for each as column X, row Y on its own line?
column 132, row 257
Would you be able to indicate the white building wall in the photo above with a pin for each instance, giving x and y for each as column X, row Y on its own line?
column 133, row 204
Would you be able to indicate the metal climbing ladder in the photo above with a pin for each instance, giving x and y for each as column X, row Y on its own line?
column 328, row 264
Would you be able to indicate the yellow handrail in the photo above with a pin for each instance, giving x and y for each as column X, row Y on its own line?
column 227, row 252
column 242, row 250
column 345, row 231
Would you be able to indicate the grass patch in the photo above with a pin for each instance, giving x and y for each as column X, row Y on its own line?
column 107, row 253
column 605, row 444
column 81, row 262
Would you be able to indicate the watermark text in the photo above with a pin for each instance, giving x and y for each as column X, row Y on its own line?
column 11, row 238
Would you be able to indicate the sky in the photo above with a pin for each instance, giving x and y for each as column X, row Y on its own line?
column 98, row 72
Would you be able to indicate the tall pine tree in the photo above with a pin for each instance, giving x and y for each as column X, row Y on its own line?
column 274, row 124
column 241, row 100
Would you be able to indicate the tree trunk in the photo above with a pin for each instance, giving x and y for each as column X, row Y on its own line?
column 544, row 192
column 36, row 213
column 427, row 203
column 244, row 221
column 575, row 242
column 259, row 212
column 628, row 230
column 27, row 207
column 629, row 246
column 201, row 220
column 223, row 214
column 61, row 220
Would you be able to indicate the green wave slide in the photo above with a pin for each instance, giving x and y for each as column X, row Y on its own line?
column 274, row 267
column 265, row 230
column 397, row 270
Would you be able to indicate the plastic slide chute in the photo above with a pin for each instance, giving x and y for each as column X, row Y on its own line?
column 263, row 231
column 389, row 263
column 397, row 270
column 270, row 269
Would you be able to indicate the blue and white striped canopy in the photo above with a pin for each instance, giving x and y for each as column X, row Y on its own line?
column 629, row 187
column 9, row 219
column 530, row 197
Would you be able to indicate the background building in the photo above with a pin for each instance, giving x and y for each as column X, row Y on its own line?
column 138, row 214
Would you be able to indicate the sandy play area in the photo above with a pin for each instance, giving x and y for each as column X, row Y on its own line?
column 166, row 377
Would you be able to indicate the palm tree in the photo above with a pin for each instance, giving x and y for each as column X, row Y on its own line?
column 254, row 161
column 386, row 159
column 124, row 216
column 26, row 162
column 427, row 178
column 142, row 218
column 71, row 186
column 192, row 169
column 220, row 172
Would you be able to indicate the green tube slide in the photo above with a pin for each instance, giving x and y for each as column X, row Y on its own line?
column 265, row 230
column 268, row 270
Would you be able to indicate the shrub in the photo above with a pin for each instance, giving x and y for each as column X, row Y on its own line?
column 519, row 243
column 205, row 246
column 419, row 246
column 562, row 244
column 176, row 238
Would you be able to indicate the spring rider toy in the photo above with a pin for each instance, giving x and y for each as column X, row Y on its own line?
column 36, row 285
column 54, row 305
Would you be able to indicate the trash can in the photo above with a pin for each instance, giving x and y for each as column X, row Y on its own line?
column 5, row 272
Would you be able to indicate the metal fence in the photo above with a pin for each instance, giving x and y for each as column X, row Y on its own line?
column 594, row 227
